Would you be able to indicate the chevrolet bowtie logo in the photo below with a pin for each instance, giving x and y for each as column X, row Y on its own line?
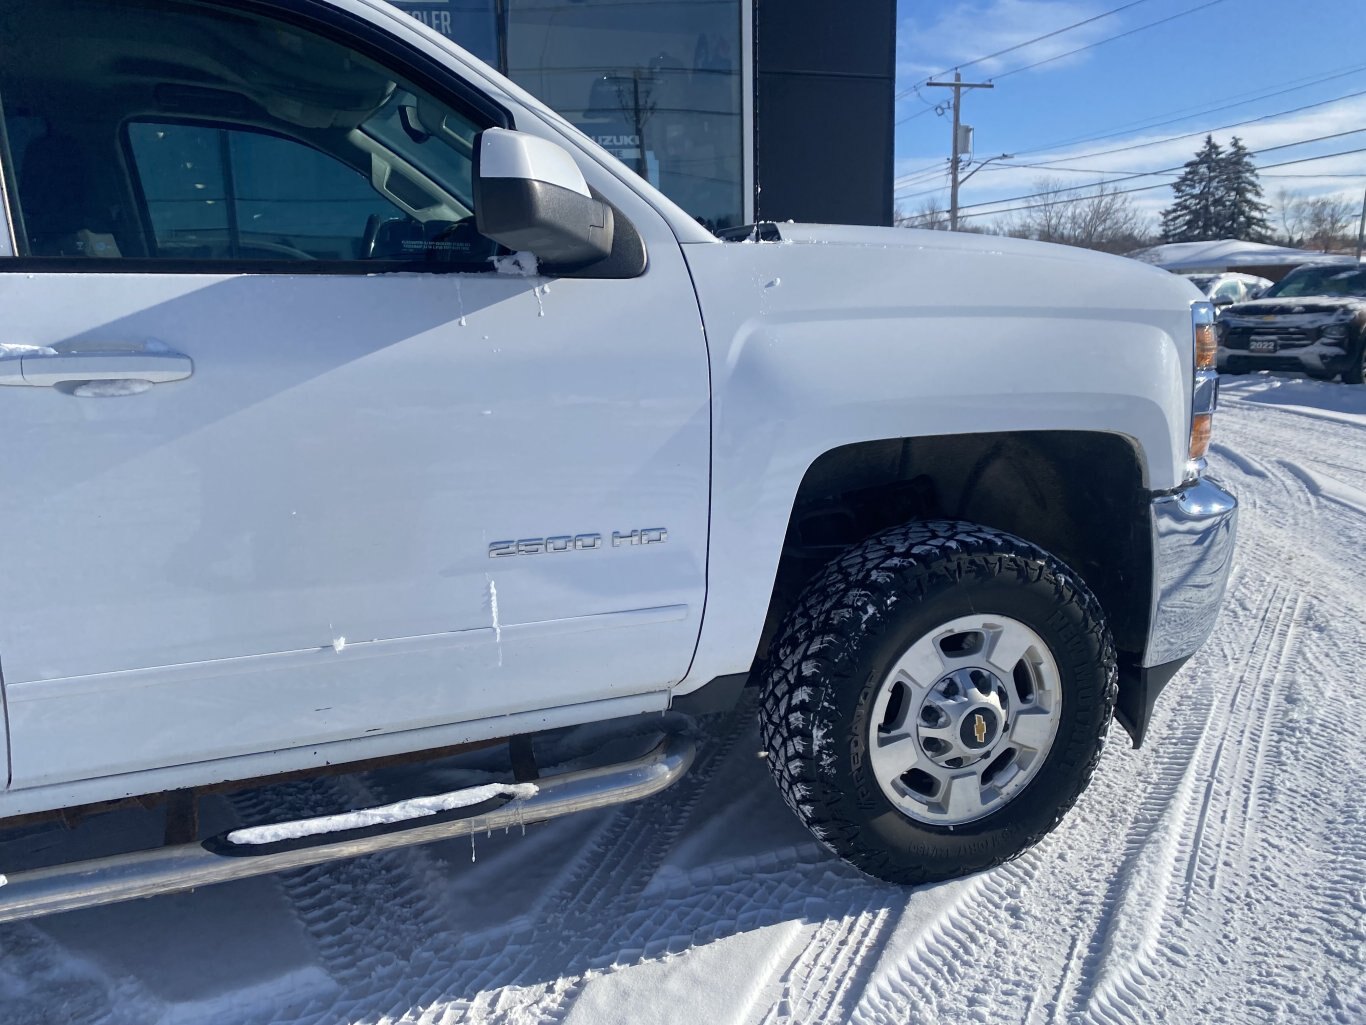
column 979, row 728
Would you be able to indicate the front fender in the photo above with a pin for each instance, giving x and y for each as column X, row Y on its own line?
column 813, row 347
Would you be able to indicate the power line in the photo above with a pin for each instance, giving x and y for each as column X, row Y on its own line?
column 921, row 176
column 914, row 177
column 1159, row 185
column 918, row 113
column 1172, row 170
column 1209, row 131
column 1021, row 46
column 1165, row 170
column 1351, row 177
column 1197, row 111
column 1109, row 39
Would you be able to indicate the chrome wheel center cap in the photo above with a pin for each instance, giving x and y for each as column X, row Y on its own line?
column 963, row 717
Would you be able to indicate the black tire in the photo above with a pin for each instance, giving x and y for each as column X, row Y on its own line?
column 850, row 625
column 1356, row 372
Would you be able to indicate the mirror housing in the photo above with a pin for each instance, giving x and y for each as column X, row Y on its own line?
column 530, row 196
column 1222, row 300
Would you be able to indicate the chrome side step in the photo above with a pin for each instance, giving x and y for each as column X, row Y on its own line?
column 85, row 884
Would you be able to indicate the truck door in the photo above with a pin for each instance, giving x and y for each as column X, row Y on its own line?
column 271, row 418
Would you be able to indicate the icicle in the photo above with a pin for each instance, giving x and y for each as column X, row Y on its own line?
column 471, row 848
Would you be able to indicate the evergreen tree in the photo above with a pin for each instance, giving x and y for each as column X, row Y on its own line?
column 1195, row 213
column 1243, row 212
column 1217, row 196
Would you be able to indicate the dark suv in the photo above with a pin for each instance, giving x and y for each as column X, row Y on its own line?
column 1313, row 320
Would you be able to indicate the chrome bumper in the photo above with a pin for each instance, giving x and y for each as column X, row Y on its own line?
column 1193, row 535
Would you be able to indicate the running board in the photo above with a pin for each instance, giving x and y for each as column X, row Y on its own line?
column 85, row 884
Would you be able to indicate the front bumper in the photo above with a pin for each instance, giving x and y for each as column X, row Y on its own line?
column 1322, row 357
column 1193, row 533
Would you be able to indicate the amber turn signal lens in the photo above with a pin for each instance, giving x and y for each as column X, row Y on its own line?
column 1206, row 346
column 1201, row 427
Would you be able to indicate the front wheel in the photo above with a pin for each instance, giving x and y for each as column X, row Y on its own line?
column 937, row 700
column 1356, row 372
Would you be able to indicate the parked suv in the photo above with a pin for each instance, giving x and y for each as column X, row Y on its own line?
column 357, row 408
column 1313, row 320
column 1226, row 289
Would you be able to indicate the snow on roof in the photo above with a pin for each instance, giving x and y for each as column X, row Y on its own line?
column 1228, row 254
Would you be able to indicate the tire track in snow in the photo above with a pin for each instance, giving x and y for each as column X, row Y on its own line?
column 41, row 985
column 1236, row 873
column 1239, row 717
column 823, row 978
column 931, row 976
column 1331, row 838
column 932, row 970
column 1246, row 464
column 390, row 912
column 1163, row 843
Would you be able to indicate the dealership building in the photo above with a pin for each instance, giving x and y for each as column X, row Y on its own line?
column 738, row 110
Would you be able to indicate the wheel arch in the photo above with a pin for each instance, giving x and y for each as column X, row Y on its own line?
column 1079, row 495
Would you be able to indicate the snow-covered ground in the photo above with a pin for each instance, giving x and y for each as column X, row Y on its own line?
column 1218, row 875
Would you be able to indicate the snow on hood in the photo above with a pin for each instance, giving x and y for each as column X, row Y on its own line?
column 922, row 239
column 1296, row 306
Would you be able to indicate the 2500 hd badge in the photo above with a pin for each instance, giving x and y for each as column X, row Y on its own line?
column 576, row 542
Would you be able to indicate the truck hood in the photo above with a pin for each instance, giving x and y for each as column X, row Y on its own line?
column 993, row 269
column 1328, row 308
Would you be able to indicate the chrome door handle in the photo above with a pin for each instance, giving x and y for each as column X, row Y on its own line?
column 48, row 369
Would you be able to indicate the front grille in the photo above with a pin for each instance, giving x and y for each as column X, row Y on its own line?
column 1284, row 337
column 1242, row 364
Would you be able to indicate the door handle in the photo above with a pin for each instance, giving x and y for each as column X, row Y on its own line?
column 48, row 369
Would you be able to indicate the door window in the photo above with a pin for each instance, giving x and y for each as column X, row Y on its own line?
column 180, row 130
column 215, row 193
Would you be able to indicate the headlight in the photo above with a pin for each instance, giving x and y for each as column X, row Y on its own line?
column 1206, row 341
column 1205, row 393
column 1335, row 331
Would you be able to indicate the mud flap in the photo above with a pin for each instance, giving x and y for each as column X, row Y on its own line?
column 1139, row 689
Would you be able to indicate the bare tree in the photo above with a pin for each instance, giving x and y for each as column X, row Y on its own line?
column 1315, row 222
column 1100, row 217
column 930, row 214
column 1327, row 222
column 1289, row 207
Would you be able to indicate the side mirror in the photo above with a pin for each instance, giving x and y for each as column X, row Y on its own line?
column 1222, row 300
column 530, row 196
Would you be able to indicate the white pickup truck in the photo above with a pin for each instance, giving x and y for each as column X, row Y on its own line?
column 356, row 407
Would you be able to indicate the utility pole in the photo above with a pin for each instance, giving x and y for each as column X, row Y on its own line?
column 957, row 85
column 1361, row 227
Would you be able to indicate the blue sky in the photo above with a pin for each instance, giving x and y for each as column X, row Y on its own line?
column 1228, row 55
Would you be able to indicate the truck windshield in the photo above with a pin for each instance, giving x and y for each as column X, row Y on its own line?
column 1337, row 281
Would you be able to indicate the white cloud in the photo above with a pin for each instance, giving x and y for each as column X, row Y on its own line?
column 966, row 31
column 996, row 183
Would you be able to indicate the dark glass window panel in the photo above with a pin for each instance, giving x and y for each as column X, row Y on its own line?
column 286, row 200
column 470, row 23
column 657, row 83
column 299, row 148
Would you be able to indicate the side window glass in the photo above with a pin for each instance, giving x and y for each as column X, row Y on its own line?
column 211, row 193
column 239, row 139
